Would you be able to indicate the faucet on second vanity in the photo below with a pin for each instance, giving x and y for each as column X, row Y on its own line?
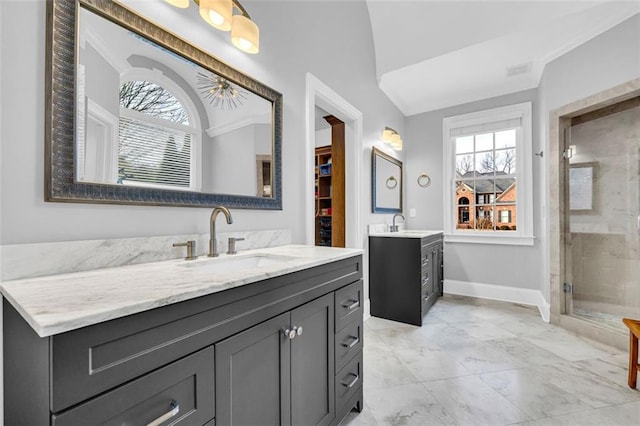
column 394, row 227
column 213, row 243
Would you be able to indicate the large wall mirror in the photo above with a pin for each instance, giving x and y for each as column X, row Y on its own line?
column 386, row 179
column 139, row 116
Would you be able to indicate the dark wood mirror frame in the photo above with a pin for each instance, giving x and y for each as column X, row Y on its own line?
column 391, row 182
column 60, row 184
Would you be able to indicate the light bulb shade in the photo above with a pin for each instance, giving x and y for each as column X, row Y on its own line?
column 217, row 13
column 182, row 4
column 396, row 142
column 245, row 34
column 387, row 134
column 392, row 137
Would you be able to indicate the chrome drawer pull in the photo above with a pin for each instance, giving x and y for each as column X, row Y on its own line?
column 353, row 382
column 351, row 304
column 356, row 340
column 175, row 409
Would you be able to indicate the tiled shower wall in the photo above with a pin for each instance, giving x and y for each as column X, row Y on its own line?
column 605, row 245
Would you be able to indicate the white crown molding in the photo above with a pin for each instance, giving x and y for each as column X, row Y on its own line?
column 214, row 131
column 106, row 51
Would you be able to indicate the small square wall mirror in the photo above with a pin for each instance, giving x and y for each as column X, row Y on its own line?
column 386, row 179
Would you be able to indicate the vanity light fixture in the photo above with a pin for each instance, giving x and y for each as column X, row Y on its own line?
column 391, row 137
column 245, row 34
column 182, row 4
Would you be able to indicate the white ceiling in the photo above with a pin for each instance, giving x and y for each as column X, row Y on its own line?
column 433, row 54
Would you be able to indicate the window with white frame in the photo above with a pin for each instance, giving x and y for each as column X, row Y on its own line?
column 487, row 161
column 156, row 138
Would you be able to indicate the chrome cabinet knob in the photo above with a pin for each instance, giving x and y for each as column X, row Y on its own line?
column 291, row 333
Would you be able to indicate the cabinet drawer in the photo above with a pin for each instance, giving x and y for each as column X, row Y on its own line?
column 348, row 381
column 428, row 299
column 348, row 304
column 181, row 393
column 348, row 343
column 425, row 280
column 425, row 258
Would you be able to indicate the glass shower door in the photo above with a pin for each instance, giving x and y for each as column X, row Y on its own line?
column 602, row 246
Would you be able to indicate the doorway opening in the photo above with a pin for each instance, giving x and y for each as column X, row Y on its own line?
column 595, row 206
column 329, row 180
column 319, row 97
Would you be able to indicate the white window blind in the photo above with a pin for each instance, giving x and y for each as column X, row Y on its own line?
column 154, row 154
column 485, row 127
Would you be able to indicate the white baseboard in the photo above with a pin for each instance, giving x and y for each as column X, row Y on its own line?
column 524, row 296
column 367, row 310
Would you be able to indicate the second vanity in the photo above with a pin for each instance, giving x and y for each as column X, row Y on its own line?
column 405, row 274
column 271, row 336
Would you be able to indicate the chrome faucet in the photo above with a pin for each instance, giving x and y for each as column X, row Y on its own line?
column 394, row 227
column 213, row 243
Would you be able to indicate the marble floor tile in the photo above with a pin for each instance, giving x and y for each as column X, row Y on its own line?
column 470, row 401
column 406, row 405
column 427, row 336
column 527, row 353
column 483, row 331
column 532, row 392
column 445, row 336
column 614, row 368
column 589, row 387
column 382, row 369
column 373, row 342
column 524, row 326
column 428, row 365
column 616, row 415
column 485, row 357
column 480, row 362
column 567, row 345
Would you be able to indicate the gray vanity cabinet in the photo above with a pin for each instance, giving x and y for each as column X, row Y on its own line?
column 222, row 358
column 280, row 371
column 405, row 276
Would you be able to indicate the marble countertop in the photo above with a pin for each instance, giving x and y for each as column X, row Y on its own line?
column 59, row 303
column 406, row 233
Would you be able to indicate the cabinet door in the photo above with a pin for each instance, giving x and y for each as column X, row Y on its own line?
column 312, row 363
column 253, row 381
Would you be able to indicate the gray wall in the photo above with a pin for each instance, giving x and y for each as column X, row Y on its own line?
column 102, row 80
column 513, row 266
column 220, row 175
column 607, row 60
column 332, row 40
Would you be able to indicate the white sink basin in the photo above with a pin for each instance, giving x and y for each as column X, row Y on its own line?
column 239, row 263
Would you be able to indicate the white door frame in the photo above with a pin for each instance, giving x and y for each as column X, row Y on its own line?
column 318, row 93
